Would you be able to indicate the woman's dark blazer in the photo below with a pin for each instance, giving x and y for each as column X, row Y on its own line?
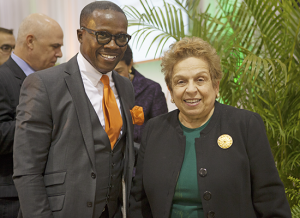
column 148, row 94
column 239, row 182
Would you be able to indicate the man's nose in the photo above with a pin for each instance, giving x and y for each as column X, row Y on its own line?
column 112, row 44
column 59, row 53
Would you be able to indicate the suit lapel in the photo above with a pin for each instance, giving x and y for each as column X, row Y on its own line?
column 16, row 70
column 80, row 101
column 124, row 96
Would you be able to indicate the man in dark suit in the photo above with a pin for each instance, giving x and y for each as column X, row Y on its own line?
column 66, row 164
column 38, row 47
column 7, row 43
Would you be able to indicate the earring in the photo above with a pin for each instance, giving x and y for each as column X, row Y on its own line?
column 172, row 100
column 218, row 95
column 130, row 71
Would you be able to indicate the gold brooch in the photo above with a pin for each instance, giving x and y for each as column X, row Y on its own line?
column 225, row 141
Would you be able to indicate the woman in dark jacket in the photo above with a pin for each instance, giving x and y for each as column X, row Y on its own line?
column 205, row 159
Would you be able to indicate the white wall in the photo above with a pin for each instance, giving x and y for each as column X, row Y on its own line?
column 66, row 13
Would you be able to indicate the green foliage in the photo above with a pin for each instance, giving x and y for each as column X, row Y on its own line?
column 294, row 192
column 259, row 45
column 294, row 195
column 295, row 211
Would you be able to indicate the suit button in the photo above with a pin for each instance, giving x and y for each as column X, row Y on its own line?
column 89, row 204
column 207, row 195
column 211, row 214
column 203, row 172
column 93, row 175
column 113, row 164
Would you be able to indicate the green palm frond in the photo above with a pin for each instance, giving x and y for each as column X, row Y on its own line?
column 296, row 211
column 167, row 23
column 292, row 23
column 294, row 193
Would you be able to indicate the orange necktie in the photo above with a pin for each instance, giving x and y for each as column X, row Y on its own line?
column 112, row 116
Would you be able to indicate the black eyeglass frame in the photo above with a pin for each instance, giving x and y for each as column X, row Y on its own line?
column 96, row 33
column 8, row 51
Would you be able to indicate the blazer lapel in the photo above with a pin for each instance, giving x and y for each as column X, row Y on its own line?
column 122, row 92
column 124, row 96
column 16, row 70
column 80, row 101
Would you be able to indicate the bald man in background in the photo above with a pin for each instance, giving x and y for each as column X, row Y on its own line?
column 38, row 46
column 7, row 43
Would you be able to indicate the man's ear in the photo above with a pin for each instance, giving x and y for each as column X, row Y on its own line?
column 30, row 41
column 79, row 35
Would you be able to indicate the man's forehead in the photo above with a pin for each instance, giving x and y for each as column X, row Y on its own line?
column 2, row 34
column 6, row 37
column 90, row 22
column 101, row 14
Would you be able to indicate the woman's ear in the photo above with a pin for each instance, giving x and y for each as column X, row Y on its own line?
column 217, row 86
column 171, row 92
column 131, row 64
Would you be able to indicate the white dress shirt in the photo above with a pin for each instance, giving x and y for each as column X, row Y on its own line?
column 94, row 87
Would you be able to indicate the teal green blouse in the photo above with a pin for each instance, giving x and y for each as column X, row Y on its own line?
column 187, row 200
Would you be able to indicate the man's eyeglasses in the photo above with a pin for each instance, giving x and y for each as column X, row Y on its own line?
column 104, row 37
column 7, row 48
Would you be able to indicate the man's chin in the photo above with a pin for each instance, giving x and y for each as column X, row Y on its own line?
column 104, row 66
column 105, row 70
column 52, row 64
column 3, row 60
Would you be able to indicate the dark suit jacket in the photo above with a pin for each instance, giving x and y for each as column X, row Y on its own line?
column 11, row 79
column 54, row 153
column 148, row 95
column 241, row 181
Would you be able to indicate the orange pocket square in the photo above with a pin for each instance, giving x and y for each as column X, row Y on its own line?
column 137, row 115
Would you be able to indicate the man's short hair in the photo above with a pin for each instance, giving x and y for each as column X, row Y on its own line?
column 8, row 31
column 98, row 5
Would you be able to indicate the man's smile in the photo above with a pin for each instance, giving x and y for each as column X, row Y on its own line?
column 110, row 57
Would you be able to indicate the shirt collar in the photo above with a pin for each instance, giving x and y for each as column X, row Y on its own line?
column 22, row 64
column 91, row 73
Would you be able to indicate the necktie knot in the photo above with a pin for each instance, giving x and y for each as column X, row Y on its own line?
column 105, row 80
